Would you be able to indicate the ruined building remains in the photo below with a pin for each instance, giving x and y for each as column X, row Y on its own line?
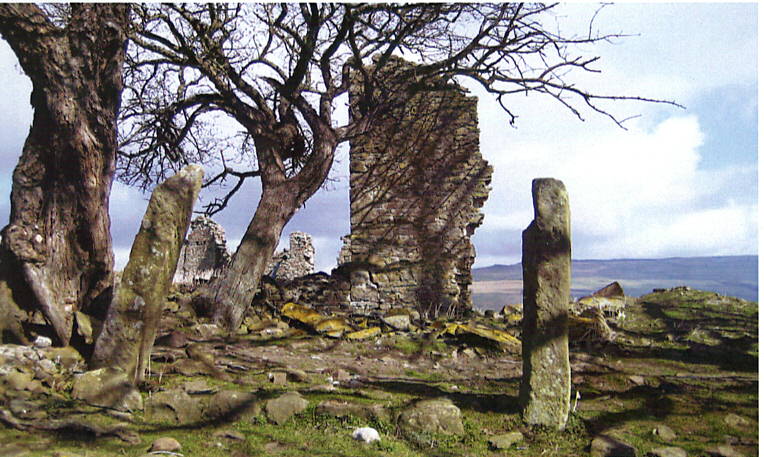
column 417, row 183
column 297, row 261
column 203, row 253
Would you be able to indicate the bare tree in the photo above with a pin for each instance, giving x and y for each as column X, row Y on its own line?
column 280, row 72
column 56, row 250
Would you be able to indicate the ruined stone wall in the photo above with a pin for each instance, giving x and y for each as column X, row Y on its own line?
column 297, row 261
column 417, row 182
column 203, row 253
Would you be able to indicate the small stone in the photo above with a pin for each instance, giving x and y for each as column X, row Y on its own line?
column 366, row 434
column 43, row 342
column 468, row 353
column 165, row 444
column 296, row 375
column 664, row 432
column 281, row 409
column 667, row 452
column 638, row 380
column 174, row 339
column 733, row 420
column 505, row 440
column 723, row 450
column 606, row 446
column 278, row 378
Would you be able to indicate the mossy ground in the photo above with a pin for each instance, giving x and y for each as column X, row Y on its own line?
column 683, row 358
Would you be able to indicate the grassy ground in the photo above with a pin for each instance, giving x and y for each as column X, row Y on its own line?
column 683, row 358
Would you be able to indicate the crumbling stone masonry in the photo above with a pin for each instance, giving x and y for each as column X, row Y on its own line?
column 417, row 182
column 297, row 261
column 203, row 253
column 545, row 384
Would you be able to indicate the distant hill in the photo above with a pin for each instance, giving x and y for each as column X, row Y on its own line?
column 736, row 276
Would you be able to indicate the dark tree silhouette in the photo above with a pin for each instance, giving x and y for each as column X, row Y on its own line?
column 56, row 251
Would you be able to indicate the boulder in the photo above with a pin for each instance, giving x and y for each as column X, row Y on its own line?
column 233, row 404
column 165, row 444
column 432, row 416
column 107, row 387
column 281, row 409
column 664, row 432
column 173, row 406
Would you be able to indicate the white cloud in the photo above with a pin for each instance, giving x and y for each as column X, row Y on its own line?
column 635, row 193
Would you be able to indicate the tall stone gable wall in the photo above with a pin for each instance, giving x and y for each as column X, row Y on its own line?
column 417, row 183
column 203, row 253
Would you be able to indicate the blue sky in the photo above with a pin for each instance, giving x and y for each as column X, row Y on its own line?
column 677, row 183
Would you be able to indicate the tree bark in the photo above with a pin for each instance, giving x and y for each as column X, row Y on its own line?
column 58, row 238
column 231, row 293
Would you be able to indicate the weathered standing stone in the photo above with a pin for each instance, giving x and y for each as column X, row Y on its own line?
column 545, row 386
column 203, row 254
column 131, row 323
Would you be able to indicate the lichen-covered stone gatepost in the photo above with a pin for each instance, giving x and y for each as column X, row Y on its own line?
column 131, row 322
column 545, row 385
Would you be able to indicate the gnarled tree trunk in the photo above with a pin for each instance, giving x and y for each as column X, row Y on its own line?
column 232, row 292
column 57, row 243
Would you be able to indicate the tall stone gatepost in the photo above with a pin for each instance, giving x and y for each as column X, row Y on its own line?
column 132, row 320
column 417, row 183
column 545, row 385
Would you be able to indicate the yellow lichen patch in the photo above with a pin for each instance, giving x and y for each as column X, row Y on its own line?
column 334, row 327
column 301, row 313
column 363, row 334
column 454, row 328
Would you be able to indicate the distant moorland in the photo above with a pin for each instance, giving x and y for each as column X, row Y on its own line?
column 735, row 276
